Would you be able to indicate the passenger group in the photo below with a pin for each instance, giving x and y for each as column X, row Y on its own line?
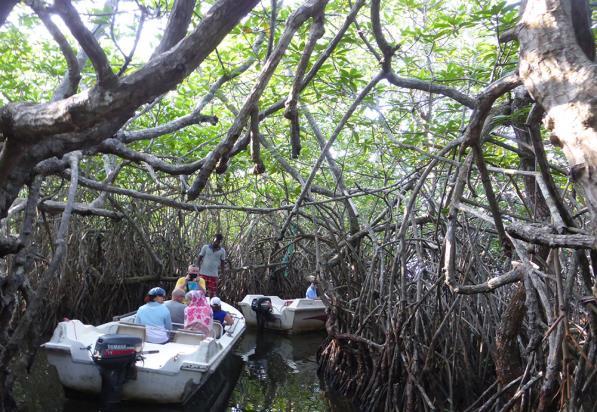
column 189, row 307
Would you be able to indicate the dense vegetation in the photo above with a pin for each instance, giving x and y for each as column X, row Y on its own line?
column 398, row 150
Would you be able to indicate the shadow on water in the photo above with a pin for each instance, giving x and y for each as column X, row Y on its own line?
column 271, row 372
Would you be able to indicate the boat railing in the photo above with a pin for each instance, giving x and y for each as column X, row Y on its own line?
column 118, row 317
column 232, row 327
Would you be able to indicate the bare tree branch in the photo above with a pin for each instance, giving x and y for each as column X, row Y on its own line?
column 69, row 14
column 74, row 71
column 515, row 275
column 484, row 103
column 353, row 213
column 129, row 57
column 326, row 148
column 386, row 50
column 195, row 117
column 6, row 7
column 322, row 59
column 294, row 22
column 430, row 87
column 67, row 84
column 290, row 170
column 83, row 209
column 116, row 147
column 9, row 245
column 177, row 26
column 291, row 113
column 141, row 233
column 259, row 167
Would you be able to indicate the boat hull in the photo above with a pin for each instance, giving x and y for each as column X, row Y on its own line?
column 170, row 376
column 149, row 385
column 289, row 316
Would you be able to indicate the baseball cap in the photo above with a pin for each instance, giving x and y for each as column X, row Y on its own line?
column 156, row 292
column 216, row 301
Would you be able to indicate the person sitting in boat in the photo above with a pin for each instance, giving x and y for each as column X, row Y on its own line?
column 220, row 315
column 312, row 289
column 190, row 281
column 155, row 316
column 176, row 306
column 198, row 315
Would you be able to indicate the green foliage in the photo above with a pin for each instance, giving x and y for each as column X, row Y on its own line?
column 448, row 43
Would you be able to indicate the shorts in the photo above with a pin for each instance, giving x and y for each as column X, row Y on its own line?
column 211, row 283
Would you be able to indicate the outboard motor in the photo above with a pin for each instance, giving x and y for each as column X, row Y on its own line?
column 263, row 311
column 115, row 356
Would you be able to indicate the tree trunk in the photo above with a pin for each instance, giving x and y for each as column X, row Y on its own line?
column 508, row 364
column 562, row 78
column 556, row 66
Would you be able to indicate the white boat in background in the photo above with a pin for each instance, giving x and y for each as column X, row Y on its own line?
column 290, row 316
column 165, row 373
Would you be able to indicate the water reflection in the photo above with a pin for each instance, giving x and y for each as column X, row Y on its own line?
column 280, row 374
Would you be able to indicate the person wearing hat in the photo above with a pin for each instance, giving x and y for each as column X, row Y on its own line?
column 312, row 289
column 155, row 316
column 190, row 281
column 220, row 315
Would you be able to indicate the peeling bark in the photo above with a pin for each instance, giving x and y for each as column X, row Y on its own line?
column 563, row 80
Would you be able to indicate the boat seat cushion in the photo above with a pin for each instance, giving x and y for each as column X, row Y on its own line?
column 188, row 337
column 217, row 331
column 133, row 329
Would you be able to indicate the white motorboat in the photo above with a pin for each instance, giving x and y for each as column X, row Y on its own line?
column 165, row 373
column 290, row 316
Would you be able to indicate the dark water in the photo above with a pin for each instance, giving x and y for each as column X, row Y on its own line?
column 269, row 373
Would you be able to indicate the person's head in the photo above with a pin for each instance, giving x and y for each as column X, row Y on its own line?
column 178, row 294
column 218, row 239
column 155, row 295
column 216, row 303
column 192, row 272
column 311, row 278
column 196, row 298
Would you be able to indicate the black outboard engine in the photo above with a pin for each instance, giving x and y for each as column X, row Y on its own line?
column 263, row 311
column 116, row 356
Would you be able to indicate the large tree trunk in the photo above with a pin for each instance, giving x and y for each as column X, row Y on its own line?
column 562, row 77
column 556, row 65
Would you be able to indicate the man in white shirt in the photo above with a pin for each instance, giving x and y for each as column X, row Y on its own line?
column 211, row 261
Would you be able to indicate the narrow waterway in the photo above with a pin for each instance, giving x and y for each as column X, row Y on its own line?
column 272, row 372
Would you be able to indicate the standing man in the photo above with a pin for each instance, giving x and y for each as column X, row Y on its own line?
column 211, row 263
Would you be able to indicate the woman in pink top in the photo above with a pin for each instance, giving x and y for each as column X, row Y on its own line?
column 198, row 315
